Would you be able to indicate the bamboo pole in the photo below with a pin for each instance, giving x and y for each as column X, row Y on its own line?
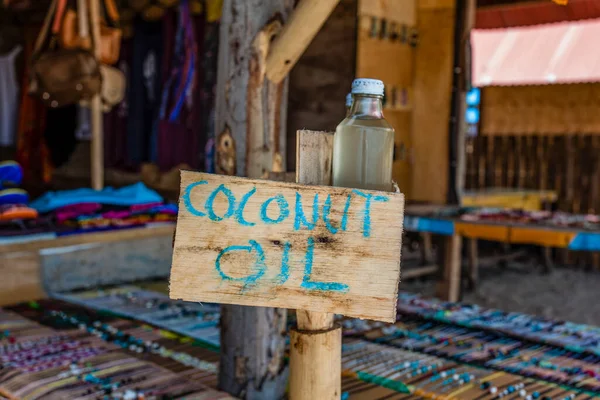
column 97, row 153
column 315, row 362
column 304, row 23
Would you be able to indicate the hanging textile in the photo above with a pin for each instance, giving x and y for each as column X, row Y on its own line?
column 32, row 152
column 59, row 133
column 115, row 122
column 209, row 66
column 9, row 97
column 177, row 136
column 144, row 88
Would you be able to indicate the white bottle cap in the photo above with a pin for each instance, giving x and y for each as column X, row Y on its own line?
column 367, row 86
column 349, row 100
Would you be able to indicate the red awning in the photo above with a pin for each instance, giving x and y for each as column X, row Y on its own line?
column 537, row 55
column 522, row 13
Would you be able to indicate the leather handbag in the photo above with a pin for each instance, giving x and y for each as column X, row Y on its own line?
column 110, row 33
column 61, row 77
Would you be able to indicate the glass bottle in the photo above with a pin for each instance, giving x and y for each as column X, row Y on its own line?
column 363, row 146
column 348, row 104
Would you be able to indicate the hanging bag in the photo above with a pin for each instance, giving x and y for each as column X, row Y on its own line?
column 113, row 80
column 113, row 87
column 110, row 33
column 61, row 77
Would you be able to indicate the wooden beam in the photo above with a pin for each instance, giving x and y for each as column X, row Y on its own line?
column 299, row 31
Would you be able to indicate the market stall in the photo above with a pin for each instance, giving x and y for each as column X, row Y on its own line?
column 115, row 342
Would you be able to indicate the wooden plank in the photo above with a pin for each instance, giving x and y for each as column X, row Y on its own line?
column 542, row 237
column 523, row 199
column 285, row 252
column 432, row 95
column 498, row 233
column 99, row 237
column 97, row 264
column 399, row 11
column 420, row 271
column 21, row 278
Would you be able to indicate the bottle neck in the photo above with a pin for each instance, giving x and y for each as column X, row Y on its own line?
column 367, row 106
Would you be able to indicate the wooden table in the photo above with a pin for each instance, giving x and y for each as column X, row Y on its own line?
column 34, row 267
column 418, row 219
column 530, row 200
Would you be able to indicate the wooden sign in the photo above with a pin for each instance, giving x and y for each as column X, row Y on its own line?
column 276, row 244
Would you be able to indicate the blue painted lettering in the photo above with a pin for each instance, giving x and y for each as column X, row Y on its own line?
column 211, row 199
column 239, row 213
column 284, row 210
column 367, row 211
column 326, row 211
column 310, row 285
column 188, row 202
column 285, row 264
column 344, row 222
column 300, row 218
column 259, row 266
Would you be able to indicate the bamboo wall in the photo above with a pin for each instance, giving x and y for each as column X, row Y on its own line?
column 540, row 137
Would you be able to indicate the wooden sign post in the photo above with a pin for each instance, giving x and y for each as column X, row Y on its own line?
column 319, row 249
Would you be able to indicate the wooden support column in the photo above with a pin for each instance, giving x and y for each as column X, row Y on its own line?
column 250, row 129
column 461, row 83
column 316, row 343
column 97, row 156
column 449, row 255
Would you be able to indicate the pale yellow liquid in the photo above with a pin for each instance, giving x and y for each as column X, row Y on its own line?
column 363, row 151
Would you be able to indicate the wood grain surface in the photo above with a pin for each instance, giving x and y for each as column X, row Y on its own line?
column 263, row 243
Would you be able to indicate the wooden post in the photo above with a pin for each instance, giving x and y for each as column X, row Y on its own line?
column 465, row 20
column 250, row 129
column 450, row 257
column 97, row 154
column 316, row 343
column 473, row 257
column 299, row 31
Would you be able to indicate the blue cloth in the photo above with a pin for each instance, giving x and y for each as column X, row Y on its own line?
column 11, row 174
column 13, row 196
column 126, row 196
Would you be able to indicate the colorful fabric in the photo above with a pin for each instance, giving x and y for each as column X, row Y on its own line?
column 12, row 212
column 11, row 174
column 13, row 196
column 9, row 97
column 32, row 152
column 126, row 196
